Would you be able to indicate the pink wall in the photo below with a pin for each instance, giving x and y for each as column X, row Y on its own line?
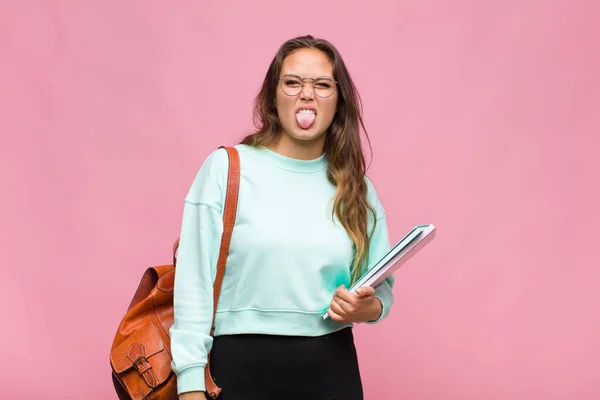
column 108, row 108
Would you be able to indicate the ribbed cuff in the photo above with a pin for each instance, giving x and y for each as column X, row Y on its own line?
column 383, row 312
column 190, row 380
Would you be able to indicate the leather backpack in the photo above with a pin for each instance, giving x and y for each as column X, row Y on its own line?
column 140, row 356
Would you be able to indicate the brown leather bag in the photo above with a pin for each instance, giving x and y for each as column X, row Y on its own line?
column 140, row 356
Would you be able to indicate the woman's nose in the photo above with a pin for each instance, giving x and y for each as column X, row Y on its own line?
column 307, row 91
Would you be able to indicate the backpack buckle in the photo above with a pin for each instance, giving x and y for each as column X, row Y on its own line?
column 141, row 364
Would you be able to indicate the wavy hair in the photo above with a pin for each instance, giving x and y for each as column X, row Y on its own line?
column 343, row 149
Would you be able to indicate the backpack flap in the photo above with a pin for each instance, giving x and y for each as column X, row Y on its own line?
column 141, row 362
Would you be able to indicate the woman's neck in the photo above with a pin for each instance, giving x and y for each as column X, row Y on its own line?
column 299, row 149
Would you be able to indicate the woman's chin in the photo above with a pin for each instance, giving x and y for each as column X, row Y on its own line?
column 302, row 134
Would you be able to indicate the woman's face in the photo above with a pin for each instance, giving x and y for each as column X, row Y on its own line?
column 306, row 116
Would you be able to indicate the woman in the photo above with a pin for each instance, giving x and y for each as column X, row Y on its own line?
column 308, row 224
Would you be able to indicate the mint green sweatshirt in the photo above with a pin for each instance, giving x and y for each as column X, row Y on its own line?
column 286, row 259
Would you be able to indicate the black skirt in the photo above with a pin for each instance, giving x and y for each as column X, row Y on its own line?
column 269, row 367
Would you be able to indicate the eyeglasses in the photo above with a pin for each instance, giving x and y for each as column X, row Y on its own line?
column 292, row 85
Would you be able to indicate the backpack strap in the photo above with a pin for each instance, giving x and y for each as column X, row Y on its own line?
column 229, row 214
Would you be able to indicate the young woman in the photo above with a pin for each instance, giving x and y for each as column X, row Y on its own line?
column 309, row 222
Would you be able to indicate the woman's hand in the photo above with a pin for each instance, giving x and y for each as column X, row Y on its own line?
column 192, row 396
column 361, row 306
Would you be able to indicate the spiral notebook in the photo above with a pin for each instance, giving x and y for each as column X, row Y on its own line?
column 404, row 250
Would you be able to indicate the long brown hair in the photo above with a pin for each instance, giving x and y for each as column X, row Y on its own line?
column 343, row 149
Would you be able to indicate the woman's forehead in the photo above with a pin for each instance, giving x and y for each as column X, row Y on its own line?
column 307, row 63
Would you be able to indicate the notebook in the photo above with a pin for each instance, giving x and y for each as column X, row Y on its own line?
column 405, row 249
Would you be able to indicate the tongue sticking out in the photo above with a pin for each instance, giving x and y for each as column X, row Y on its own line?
column 305, row 119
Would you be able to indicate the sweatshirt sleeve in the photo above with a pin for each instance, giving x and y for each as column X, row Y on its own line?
column 200, row 238
column 379, row 246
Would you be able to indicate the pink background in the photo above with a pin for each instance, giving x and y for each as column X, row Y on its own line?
column 107, row 110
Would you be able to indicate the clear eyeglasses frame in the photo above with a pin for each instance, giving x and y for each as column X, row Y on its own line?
column 292, row 85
